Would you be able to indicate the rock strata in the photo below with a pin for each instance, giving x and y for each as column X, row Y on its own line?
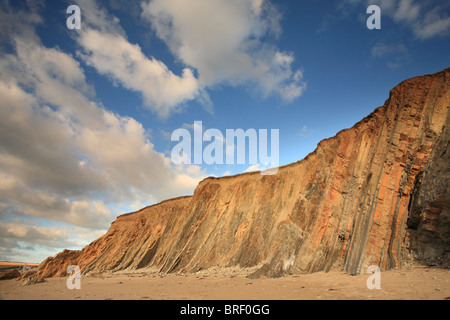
column 374, row 194
column 11, row 274
column 429, row 220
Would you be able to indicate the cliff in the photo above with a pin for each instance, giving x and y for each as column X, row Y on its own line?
column 377, row 193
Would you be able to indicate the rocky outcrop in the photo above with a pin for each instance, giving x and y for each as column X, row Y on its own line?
column 429, row 220
column 11, row 274
column 57, row 265
column 32, row 280
column 346, row 205
column 131, row 241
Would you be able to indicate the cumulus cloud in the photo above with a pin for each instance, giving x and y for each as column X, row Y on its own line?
column 63, row 156
column 57, row 151
column 163, row 91
column 30, row 242
column 434, row 23
column 426, row 19
column 218, row 41
column 106, row 48
column 55, row 236
column 222, row 40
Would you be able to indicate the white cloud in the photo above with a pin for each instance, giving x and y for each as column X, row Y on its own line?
column 221, row 39
column 64, row 157
column 381, row 50
column 113, row 55
column 253, row 168
column 28, row 241
column 426, row 19
column 306, row 131
column 407, row 11
column 106, row 48
column 269, row 168
column 433, row 24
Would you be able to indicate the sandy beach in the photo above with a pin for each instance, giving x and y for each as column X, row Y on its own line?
column 421, row 283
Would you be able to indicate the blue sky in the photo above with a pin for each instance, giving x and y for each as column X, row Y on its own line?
column 87, row 115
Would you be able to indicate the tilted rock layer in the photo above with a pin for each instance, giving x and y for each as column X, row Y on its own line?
column 375, row 194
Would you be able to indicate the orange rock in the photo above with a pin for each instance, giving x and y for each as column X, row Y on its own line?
column 346, row 205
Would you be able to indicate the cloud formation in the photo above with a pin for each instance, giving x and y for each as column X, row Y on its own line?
column 199, row 34
column 426, row 19
column 64, row 157
column 223, row 41
column 27, row 241
column 105, row 47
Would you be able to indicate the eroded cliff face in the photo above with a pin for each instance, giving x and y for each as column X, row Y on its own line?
column 429, row 220
column 131, row 241
column 346, row 205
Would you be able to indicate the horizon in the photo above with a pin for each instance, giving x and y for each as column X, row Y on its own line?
column 88, row 113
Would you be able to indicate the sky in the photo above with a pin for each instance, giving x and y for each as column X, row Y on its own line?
column 87, row 115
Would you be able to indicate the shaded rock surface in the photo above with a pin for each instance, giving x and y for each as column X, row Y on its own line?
column 27, row 274
column 373, row 194
column 11, row 274
column 33, row 280
column 429, row 219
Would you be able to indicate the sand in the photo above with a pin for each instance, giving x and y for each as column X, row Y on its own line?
column 405, row 284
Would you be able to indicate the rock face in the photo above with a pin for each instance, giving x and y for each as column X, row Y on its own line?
column 429, row 220
column 376, row 193
column 11, row 274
